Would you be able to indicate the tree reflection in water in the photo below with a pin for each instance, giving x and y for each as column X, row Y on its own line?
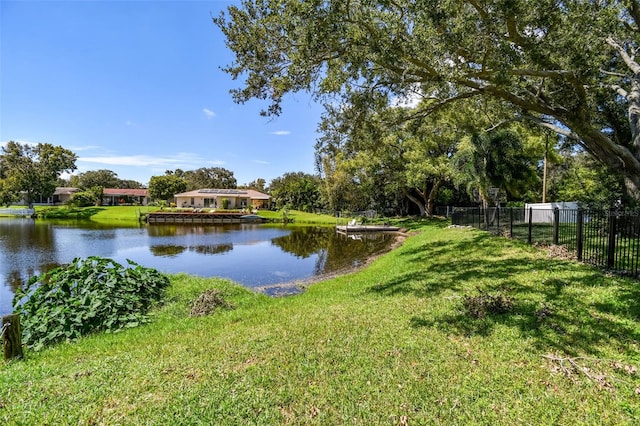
column 335, row 251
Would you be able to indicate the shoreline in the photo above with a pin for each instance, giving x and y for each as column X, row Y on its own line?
column 291, row 288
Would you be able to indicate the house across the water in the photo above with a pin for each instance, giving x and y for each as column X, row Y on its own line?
column 215, row 198
column 118, row 196
column 110, row 196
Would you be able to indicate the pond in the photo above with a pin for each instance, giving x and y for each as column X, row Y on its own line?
column 254, row 255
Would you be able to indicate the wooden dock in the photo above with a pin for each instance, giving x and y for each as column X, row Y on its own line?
column 17, row 212
column 202, row 217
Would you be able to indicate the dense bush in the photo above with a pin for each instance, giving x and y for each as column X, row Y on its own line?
column 94, row 294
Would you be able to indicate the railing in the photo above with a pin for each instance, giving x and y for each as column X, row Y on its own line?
column 17, row 212
column 604, row 238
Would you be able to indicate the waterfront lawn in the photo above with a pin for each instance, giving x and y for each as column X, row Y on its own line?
column 108, row 214
column 118, row 214
column 554, row 342
column 297, row 217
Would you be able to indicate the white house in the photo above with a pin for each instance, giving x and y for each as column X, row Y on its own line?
column 214, row 199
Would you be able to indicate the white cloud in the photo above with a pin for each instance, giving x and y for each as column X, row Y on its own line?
column 84, row 148
column 181, row 160
column 280, row 133
column 411, row 99
column 216, row 162
column 261, row 162
column 208, row 113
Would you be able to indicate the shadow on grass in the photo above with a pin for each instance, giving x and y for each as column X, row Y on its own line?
column 559, row 304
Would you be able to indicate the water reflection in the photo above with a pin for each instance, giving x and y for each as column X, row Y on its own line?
column 212, row 249
column 251, row 254
column 167, row 250
column 333, row 251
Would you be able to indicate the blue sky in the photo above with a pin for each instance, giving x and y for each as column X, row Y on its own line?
column 136, row 87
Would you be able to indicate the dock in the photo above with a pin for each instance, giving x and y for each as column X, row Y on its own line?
column 202, row 217
column 18, row 212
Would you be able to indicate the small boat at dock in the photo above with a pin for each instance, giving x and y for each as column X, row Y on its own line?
column 366, row 228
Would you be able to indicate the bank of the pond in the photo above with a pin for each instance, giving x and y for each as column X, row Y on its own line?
column 297, row 286
column 119, row 214
column 452, row 327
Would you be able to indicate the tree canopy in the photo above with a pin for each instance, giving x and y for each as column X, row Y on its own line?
column 568, row 66
column 166, row 186
column 104, row 178
column 209, row 177
column 409, row 159
column 32, row 170
column 297, row 190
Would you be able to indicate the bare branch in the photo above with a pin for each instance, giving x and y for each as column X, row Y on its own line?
column 483, row 13
column 613, row 74
column 628, row 60
column 555, row 128
column 620, row 90
column 423, row 112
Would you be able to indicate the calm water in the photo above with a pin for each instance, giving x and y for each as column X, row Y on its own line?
column 253, row 255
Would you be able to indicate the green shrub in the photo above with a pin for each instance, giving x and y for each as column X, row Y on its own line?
column 94, row 294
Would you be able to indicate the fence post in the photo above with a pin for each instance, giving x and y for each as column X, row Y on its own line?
column 11, row 336
column 530, row 225
column 511, row 222
column 579, row 234
column 556, row 225
column 611, row 248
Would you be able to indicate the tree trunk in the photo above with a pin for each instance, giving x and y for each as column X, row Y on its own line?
column 431, row 199
column 417, row 202
column 633, row 187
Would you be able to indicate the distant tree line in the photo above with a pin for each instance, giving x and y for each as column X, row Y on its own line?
column 412, row 170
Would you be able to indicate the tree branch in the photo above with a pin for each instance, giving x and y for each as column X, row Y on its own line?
column 620, row 91
column 628, row 60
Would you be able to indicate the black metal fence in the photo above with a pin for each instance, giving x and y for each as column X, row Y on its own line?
column 605, row 238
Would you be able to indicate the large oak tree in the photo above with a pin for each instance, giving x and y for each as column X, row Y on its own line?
column 568, row 65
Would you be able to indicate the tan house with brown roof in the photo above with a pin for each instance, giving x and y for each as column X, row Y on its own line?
column 62, row 194
column 213, row 199
column 117, row 196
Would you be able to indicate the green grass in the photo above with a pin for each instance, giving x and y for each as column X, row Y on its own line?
column 103, row 214
column 388, row 344
column 298, row 217
column 117, row 214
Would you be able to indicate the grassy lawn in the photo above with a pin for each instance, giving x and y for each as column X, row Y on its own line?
column 297, row 216
column 118, row 214
column 105, row 214
column 391, row 344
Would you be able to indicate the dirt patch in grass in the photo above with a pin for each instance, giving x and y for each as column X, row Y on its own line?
column 558, row 252
column 208, row 302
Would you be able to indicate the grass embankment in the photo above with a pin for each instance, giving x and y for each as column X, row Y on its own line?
column 104, row 214
column 297, row 217
column 119, row 214
column 390, row 344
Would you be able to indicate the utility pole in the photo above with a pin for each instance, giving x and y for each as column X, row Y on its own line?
column 544, row 170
